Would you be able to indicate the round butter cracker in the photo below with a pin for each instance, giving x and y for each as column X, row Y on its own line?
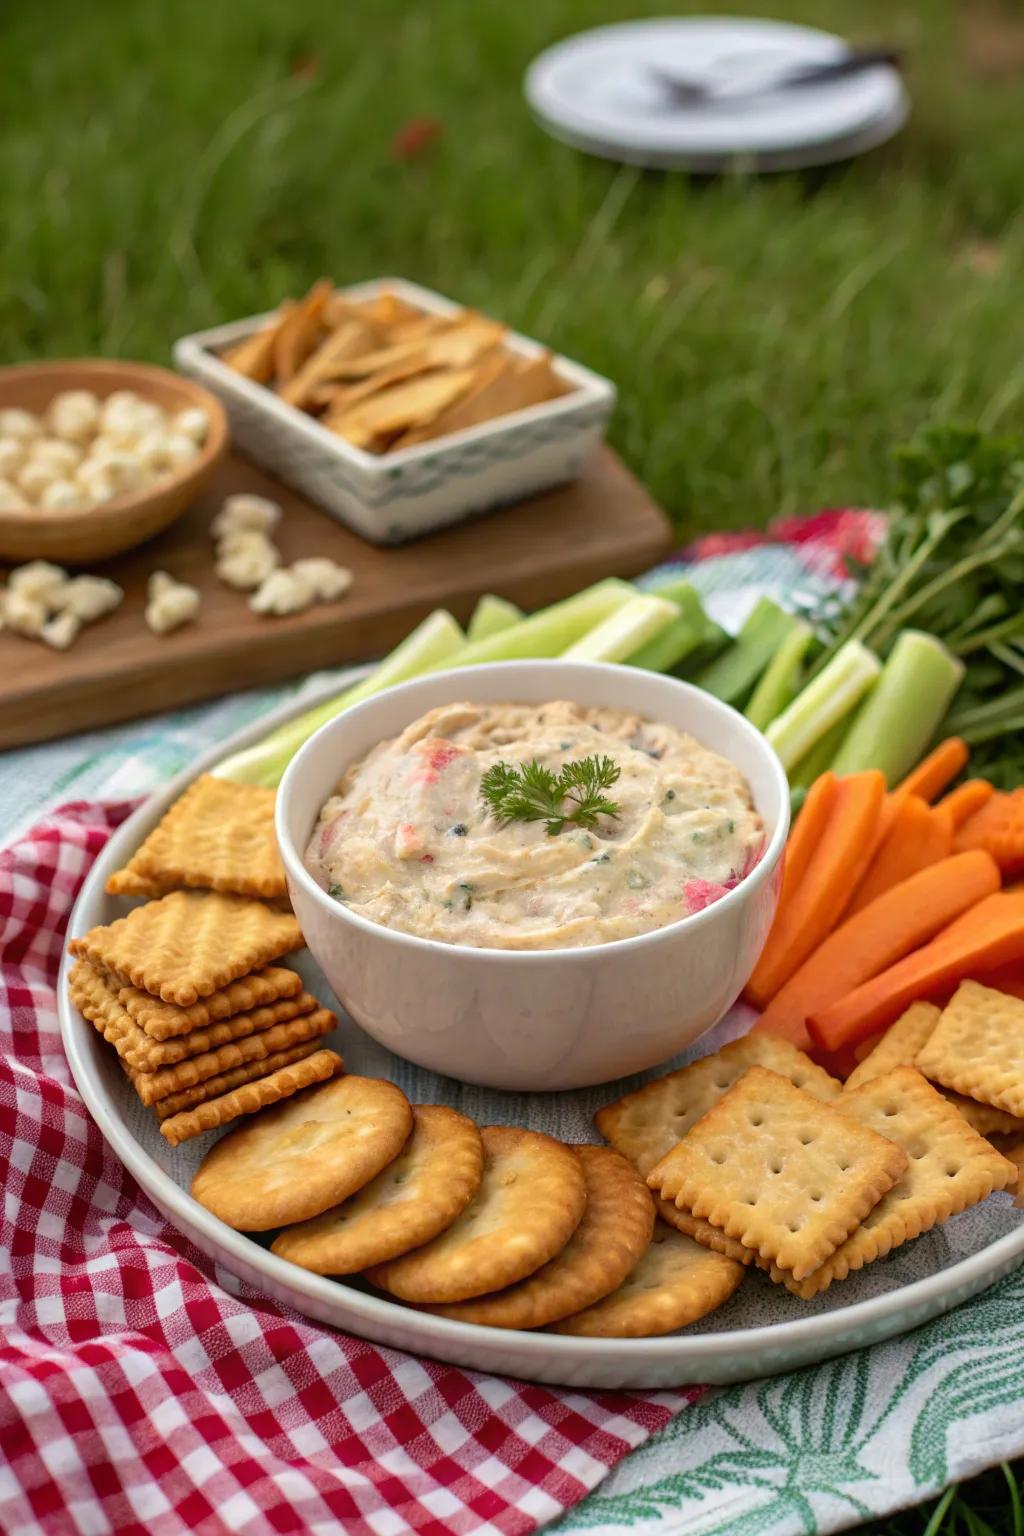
column 305, row 1155
column 529, row 1203
column 417, row 1196
column 612, row 1236
column 675, row 1283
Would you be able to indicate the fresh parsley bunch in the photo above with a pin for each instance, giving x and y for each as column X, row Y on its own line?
column 952, row 563
column 530, row 792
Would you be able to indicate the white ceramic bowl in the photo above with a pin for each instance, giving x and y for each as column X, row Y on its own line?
column 534, row 1020
column 391, row 497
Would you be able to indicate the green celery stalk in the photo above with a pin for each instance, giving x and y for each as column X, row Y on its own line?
column 714, row 642
column 819, row 759
column 490, row 616
column 893, row 728
column 547, row 633
column 780, row 681
column 687, row 633
column 431, row 641
column 626, row 631
column 732, row 677
column 827, row 698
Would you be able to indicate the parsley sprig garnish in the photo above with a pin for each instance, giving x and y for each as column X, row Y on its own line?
column 530, row 792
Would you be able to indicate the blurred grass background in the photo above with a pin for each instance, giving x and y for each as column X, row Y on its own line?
column 170, row 164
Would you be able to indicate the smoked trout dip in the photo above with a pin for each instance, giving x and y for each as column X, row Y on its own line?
column 407, row 840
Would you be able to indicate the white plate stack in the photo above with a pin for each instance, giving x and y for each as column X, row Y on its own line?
column 606, row 92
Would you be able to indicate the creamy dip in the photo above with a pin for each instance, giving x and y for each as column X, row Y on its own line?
column 407, row 840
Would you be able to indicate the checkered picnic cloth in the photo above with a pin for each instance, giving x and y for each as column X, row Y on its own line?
column 142, row 1390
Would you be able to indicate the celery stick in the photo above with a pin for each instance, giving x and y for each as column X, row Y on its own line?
column 715, row 641
column 436, row 637
column 681, row 592
column 780, row 681
column 819, row 759
column 827, row 698
column 896, row 723
column 732, row 677
column 675, row 642
column 547, row 633
column 625, row 632
column 490, row 616
column 687, row 633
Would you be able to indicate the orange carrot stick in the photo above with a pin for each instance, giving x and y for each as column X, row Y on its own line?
column 902, row 919
column 935, row 771
column 807, row 831
column 920, row 835
column 985, row 938
column 811, row 908
column 964, row 801
column 998, row 827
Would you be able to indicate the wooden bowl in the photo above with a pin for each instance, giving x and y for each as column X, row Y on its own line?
column 92, row 533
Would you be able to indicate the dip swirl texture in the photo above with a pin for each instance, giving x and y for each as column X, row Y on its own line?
column 407, row 841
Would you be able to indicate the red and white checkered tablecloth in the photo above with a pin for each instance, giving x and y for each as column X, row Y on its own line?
column 143, row 1390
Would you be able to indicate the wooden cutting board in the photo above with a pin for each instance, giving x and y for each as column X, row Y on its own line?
column 543, row 549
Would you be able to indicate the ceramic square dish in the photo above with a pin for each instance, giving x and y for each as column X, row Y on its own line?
column 389, row 498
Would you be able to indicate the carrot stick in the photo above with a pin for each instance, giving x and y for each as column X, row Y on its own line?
column 807, row 831
column 810, row 908
column 985, row 938
column 998, row 827
column 935, row 771
column 902, row 919
column 920, row 835
column 966, row 799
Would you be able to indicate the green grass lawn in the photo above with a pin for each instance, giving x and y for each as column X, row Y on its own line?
column 171, row 165
column 167, row 166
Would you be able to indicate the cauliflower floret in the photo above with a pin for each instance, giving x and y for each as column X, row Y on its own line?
column 34, row 479
column 96, row 483
column 64, row 496
column 11, row 499
column 24, row 614
column 20, row 424
column 283, row 592
column 126, row 471
column 61, row 631
column 193, row 423
column 12, row 456
column 62, row 457
column 38, row 580
column 245, row 559
column 74, row 415
column 171, row 603
column 245, row 511
column 327, row 579
column 126, row 416
column 87, row 597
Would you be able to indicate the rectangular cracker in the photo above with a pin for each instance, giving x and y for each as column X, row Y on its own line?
column 647, row 1123
column 950, row 1167
column 191, row 943
column 165, row 1081
column 977, row 1048
column 224, row 1082
column 165, row 1021
column 250, row 1097
column 780, row 1171
column 217, row 836
column 899, row 1047
column 96, row 995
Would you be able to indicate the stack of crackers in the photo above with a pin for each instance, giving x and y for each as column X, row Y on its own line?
column 758, row 1154
column 385, row 375
column 206, row 1027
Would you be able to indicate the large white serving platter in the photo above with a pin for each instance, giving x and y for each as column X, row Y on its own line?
column 761, row 1331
